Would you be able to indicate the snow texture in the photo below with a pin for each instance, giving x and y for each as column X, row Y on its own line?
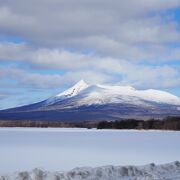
column 65, row 148
column 73, row 91
column 103, row 94
column 169, row 171
column 77, row 88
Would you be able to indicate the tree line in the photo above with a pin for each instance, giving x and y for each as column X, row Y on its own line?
column 169, row 123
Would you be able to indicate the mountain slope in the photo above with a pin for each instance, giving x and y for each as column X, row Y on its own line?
column 99, row 102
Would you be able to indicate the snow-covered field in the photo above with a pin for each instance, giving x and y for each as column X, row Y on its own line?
column 64, row 149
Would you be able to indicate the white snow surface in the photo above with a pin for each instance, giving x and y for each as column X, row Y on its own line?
column 103, row 94
column 169, row 171
column 54, row 149
column 77, row 88
column 73, row 91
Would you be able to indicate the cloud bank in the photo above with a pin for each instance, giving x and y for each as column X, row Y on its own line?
column 50, row 44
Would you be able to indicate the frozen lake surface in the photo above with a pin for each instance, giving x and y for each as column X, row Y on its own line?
column 64, row 149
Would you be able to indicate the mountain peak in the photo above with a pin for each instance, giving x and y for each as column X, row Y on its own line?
column 81, row 83
column 74, row 90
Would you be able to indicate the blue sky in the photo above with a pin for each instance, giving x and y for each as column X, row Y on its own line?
column 47, row 46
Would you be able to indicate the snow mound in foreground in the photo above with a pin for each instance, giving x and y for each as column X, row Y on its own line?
column 169, row 171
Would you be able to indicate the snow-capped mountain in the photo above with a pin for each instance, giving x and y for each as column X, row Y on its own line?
column 103, row 94
column 84, row 102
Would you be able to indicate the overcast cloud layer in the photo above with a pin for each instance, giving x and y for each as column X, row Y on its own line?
column 51, row 44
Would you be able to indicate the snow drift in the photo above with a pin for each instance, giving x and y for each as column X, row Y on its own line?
column 169, row 171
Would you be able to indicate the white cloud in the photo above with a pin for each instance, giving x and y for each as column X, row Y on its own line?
column 103, row 70
column 36, row 80
column 54, row 58
column 128, row 42
column 114, row 28
column 153, row 77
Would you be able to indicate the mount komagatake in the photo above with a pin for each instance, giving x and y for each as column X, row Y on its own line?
column 84, row 102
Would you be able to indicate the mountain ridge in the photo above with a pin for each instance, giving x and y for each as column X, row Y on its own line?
column 105, row 90
column 83, row 102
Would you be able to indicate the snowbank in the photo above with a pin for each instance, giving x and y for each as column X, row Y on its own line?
column 169, row 171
